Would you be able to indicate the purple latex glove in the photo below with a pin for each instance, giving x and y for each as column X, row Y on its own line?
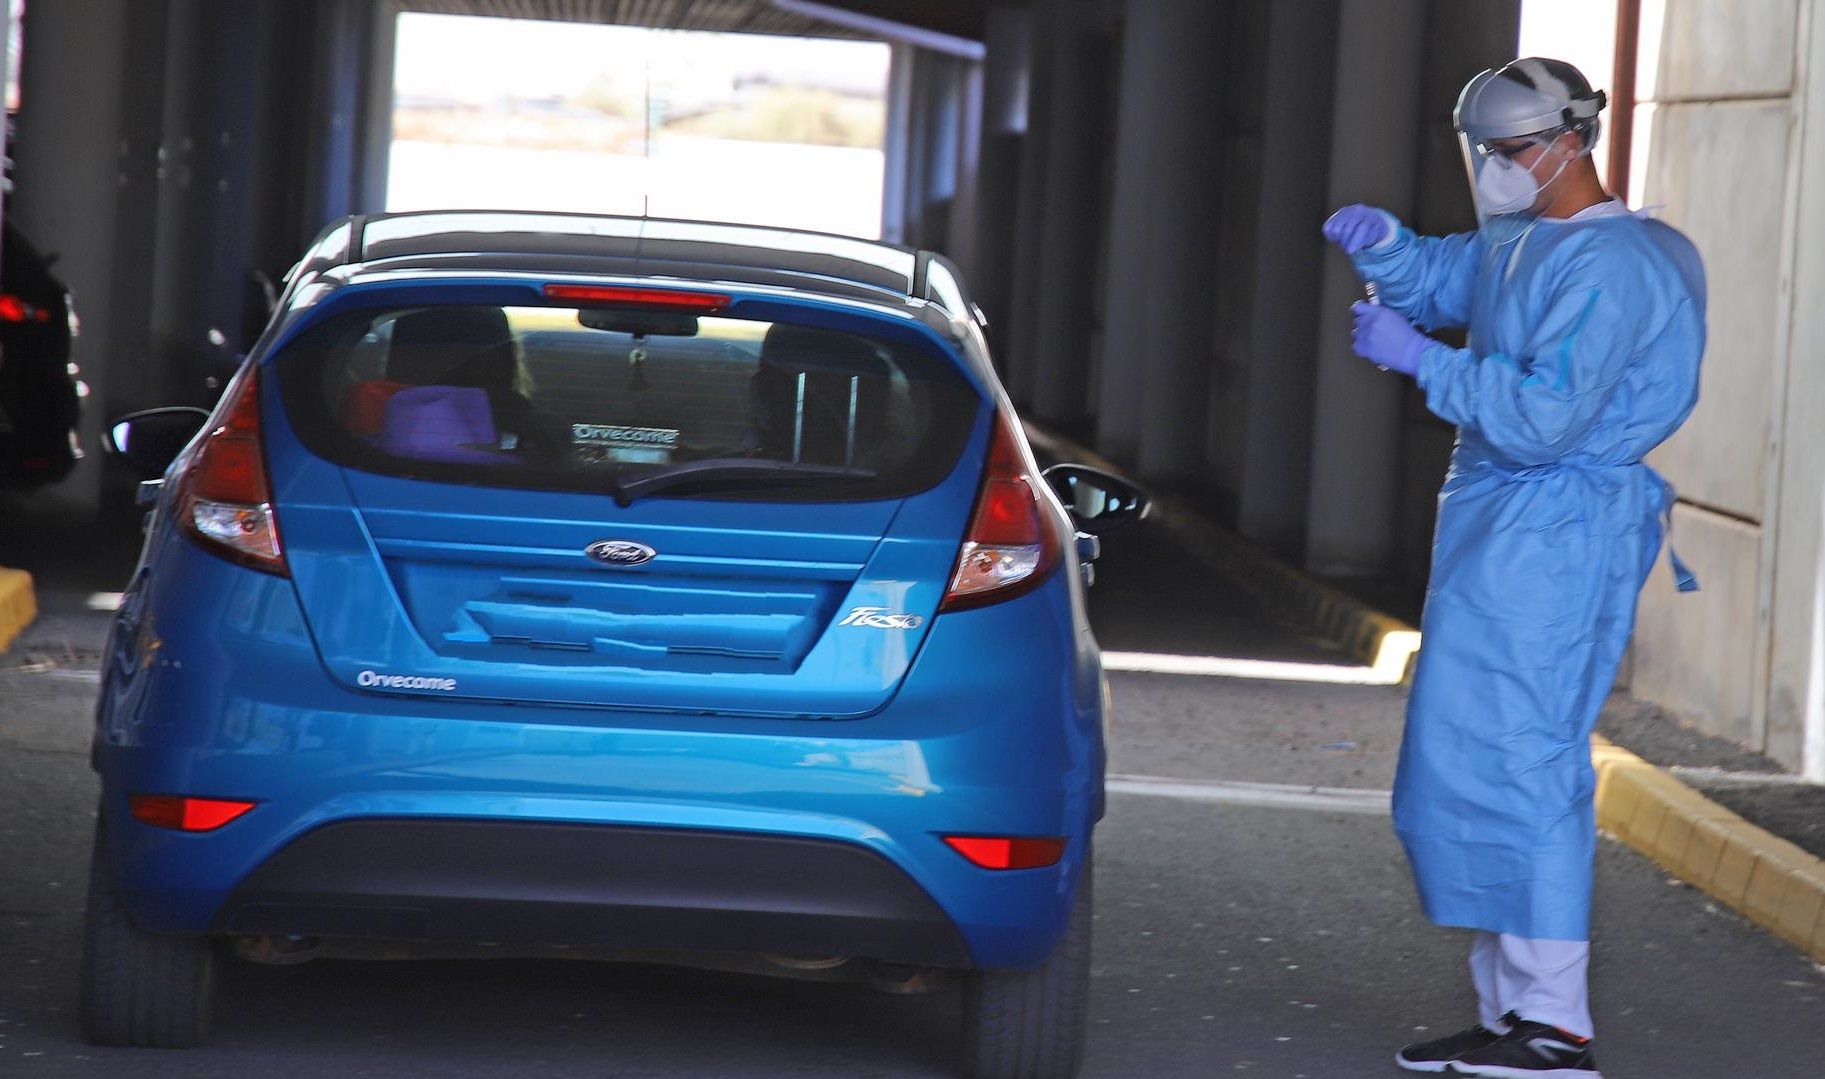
column 1354, row 228
column 1383, row 336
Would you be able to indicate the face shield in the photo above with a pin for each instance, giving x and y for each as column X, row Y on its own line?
column 1507, row 176
column 1512, row 124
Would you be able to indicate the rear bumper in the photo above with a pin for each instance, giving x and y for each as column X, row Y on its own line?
column 595, row 887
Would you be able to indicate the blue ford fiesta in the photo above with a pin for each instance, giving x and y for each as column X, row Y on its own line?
column 619, row 587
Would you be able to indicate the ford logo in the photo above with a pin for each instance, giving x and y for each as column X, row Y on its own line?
column 620, row 552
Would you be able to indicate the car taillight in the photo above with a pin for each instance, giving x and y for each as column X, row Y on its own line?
column 224, row 500
column 1012, row 542
column 14, row 309
column 185, row 814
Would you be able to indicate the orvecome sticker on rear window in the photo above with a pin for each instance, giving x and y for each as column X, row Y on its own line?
column 600, row 400
column 598, row 442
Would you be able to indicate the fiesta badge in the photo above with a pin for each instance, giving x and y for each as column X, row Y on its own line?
column 620, row 552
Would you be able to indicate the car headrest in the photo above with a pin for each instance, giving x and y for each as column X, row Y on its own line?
column 803, row 348
column 453, row 346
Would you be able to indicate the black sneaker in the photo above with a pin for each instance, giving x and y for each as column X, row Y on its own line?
column 1432, row 1056
column 1530, row 1051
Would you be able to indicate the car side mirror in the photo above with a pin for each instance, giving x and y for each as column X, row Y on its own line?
column 1097, row 500
column 149, row 441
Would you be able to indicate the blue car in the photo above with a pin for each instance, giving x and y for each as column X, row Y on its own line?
column 568, row 585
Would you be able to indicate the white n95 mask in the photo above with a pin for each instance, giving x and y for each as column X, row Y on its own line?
column 1504, row 187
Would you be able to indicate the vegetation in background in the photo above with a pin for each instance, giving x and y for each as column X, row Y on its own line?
column 608, row 117
column 798, row 114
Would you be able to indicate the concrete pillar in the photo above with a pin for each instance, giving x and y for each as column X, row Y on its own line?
column 933, row 98
column 1356, row 421
column 1141, row 122
column 1724, row 98
column 330, row 169
column 967, row 171
column 342, row 88
column 1164, row 336
column 69, row 172
column 376, row 147
column 134, row 377
column 918, row 146
column 6, row 76
column 1035, row 184
column 1275, row 474
column 1006, row 71
column 1057, row 382
column 1794, row 561
column 205, row 200
column 898, row 167
column 938, row 90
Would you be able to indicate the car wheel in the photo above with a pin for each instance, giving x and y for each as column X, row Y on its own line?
column 1030, row 1024
column 142, row 989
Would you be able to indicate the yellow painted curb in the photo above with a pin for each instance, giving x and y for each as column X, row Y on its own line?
column 18, row 605
column 1386, row 644
column 1774, row 883
column 1767, row 879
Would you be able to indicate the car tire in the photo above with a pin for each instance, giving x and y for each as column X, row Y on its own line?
column 1031, row 1024
column 140, row 989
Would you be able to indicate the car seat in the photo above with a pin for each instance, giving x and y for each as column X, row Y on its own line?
column 839, row 416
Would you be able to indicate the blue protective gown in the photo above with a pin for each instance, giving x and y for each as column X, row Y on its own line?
column 1584, row 346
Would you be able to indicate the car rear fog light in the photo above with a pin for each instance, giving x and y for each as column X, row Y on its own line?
column 185, row 814
column 1008, row 852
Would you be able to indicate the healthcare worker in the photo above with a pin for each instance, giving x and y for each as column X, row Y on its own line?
column 1586, row 324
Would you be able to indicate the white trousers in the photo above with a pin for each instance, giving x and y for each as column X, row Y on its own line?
column 1541, row 980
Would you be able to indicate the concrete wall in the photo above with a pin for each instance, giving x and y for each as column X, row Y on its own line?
column 1378, row 455
column 1796, row 575
column 1461, row 40
column 1727, row 113
column 216, row 146
column 1352, row 519
column 1218, row 318
column 1240, row 119
column 66, row 187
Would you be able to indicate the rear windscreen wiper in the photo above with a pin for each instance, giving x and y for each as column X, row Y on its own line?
column 731, row 472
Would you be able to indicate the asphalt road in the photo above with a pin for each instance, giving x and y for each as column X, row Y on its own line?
column 1230, row 938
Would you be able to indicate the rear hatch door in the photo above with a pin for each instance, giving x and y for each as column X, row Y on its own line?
column 536, row 505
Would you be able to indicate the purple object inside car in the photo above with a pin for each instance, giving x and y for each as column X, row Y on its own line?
column 453, row 424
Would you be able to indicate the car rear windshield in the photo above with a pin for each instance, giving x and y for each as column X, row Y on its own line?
column 609, row 401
